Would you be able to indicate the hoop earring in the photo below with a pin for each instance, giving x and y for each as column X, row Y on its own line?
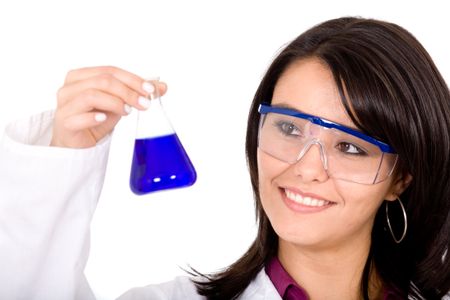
column 398, row 241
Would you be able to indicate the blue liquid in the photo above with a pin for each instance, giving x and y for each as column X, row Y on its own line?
column 160, row 163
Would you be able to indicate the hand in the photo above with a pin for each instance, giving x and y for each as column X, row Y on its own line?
column 92, row 101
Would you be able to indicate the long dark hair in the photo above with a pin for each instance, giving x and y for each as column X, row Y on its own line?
column 397, row 95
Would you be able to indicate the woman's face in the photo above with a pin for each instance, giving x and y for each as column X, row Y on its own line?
column 345, row 211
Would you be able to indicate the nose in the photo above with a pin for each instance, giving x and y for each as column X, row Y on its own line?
column 312, row 163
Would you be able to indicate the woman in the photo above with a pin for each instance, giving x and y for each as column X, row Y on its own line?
column 375, row 77
column 348, row 149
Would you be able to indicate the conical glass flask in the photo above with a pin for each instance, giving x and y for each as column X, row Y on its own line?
column 159, row 159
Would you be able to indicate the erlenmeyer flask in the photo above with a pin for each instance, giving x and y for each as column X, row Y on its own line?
column 159, row 160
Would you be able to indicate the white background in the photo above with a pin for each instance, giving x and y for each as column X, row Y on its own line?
column 212, row 54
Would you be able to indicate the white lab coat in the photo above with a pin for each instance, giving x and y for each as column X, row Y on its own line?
column 47, row 199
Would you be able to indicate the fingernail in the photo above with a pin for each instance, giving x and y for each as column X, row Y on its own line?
column 148, row 87
column 100, row 117
column 144, row 102
column 127, row 109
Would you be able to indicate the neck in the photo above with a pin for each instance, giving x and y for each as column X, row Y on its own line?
column 329, row 273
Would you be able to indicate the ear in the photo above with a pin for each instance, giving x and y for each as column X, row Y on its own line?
column 398, row 186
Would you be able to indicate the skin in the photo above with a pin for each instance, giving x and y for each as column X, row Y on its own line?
column 92, row 101
column 325, row 247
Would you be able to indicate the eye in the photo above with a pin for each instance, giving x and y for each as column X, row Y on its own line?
column 348, row 148
column 288, row 128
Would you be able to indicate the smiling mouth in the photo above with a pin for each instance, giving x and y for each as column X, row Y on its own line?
column 306, row 200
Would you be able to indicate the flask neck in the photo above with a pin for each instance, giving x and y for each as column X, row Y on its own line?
column 153, row 122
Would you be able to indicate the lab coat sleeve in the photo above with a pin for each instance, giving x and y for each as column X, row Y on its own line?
column 47, row 199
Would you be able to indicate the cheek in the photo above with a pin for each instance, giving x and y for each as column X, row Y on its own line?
column 268, row 169
column 265, row 171
column 361, row 202
column 356, row 192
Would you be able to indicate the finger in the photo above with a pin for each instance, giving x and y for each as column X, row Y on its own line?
column 162, row 87
column 85, row 121
column 107, row 84
column 133, row 81
column 97, row 100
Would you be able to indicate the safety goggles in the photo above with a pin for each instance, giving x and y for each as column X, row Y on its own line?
column 346, row 153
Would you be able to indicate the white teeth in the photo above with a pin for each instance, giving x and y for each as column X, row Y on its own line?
column 308, row 201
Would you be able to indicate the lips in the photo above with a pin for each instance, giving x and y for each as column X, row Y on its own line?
column 306, row 200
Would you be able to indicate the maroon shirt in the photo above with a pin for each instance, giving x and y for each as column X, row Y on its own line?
column 290, row 290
